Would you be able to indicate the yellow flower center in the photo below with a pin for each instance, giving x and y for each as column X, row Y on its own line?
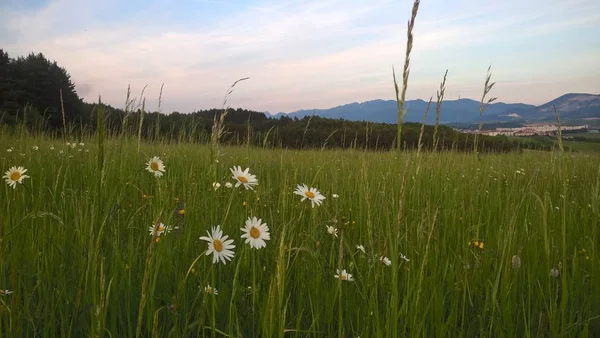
column 242, row 179
column 309, row 194
column 154, row 166
column 15, row 175
column 254, row 233
column 218, row 245
column 182, row 212
column 344, row 277
column 161, row 228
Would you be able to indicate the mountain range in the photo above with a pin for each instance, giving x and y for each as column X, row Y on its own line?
column 572, row 107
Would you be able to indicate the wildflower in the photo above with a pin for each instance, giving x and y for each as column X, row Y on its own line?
column 335, row 195
column 157, row 230
column 5, row 292
column 361, row 248
column 35, row 148
column 81, row 144
column 51, row 147
column 210, row 290
column 516, row 262
column 404, row 258
column 312, row 194
column 87, row 150
column 219, row 245
column 216, row 185
column 343, row 275
column 554, row 273
column 155, row 165
column 61, row 151
column 256, row 233
column 15, row 175
column 243, row 177
column 9, row 150
column 228, row 185
column 332, row 230
column 181, row 212
column 385, row 260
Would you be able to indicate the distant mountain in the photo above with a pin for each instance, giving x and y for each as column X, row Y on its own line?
column 386, row 111
column 462, row 111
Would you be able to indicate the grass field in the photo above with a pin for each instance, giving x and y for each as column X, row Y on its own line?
column 500, row 245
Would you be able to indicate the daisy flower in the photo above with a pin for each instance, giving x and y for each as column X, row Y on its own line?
column 36, row 148
column 156, row 231
column 332, row 230
column 343, row 275
column 219, row 245
column 210, row 290
column 256, row 233
column 156, row 166
column 5, row 292
column 361, row 248
column 216, row 185
column 312, row 194
column 15, row 175
column 385, row 260
column 335, row 195
column 228, row 185
column 243, row 177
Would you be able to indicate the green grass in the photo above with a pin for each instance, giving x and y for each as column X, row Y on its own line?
column 79, row 259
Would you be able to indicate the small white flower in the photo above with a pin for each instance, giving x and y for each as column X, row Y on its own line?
column 361, row 248
column 385, row 260
column 35, row 148
column 61, row 151
column 156, row 166
column 335, row 195
column 256, row 233
column 404, row 257
column 343, row 275
column 228, row 185
column 216, row 185
column 312, row 194
column 81, row 144
column 554, row 273
column 219, row 245
column 210, row 290
column 332, row 230
column 51, row 147
column 9, row 150
column 15, row 175
column 5, row 292
column 156, row 231
column 87, row 150
column 243, row 177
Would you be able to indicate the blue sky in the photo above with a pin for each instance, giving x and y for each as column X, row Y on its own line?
column 303, row 54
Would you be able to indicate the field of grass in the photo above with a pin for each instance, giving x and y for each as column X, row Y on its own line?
column 500, row 245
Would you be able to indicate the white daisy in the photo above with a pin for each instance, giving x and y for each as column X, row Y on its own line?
column 5, row 292
column 243, row 177
column 344, row 275
column 81, row 144
column 361, row 248
column 210, row 290
column 156, row 166
column 35, row 148
column 332, row 230
column 9, row 150
column 385, row 260
column 228, row 185
column 216, row 185
column 335, row 195
column 312, row 194
column 404, row 257
column 15, row 175
column 219, row 245
column 256, row 233
column 156, row 231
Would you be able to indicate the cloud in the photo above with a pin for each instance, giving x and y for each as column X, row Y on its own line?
column 299, row 54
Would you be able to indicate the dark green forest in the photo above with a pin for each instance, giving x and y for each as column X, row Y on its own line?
column 37, row 93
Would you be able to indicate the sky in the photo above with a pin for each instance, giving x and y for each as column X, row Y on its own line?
column 305, row 54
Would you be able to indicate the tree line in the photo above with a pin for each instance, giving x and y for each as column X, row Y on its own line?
column 39, row 94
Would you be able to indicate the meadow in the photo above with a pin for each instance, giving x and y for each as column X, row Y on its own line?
column 432, row 243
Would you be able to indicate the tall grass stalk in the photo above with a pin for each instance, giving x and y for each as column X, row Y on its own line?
column 486, row 90
column 400, row 99
column 438, row 108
